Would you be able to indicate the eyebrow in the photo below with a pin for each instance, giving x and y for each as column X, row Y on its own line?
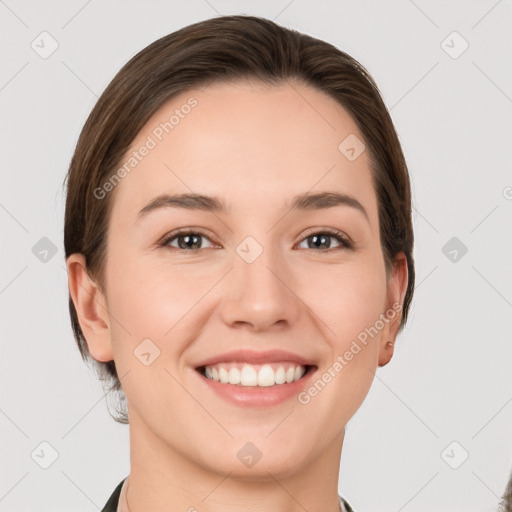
column 301, row 202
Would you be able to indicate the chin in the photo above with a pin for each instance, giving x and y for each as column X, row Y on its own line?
column 259, row 459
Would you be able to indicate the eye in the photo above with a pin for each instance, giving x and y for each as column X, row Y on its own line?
column 321, row 239
column 187, row 240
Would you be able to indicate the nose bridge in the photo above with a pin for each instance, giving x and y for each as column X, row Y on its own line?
column 259, row 290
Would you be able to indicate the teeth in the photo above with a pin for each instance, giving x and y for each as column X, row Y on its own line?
column 266, row 376
column 280, row 376
column 248, row 376
column 223, row 375
column 234, row 376
column 255, row 375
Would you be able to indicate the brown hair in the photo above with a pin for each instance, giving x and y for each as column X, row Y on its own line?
column 228, row 48
column 505, row 504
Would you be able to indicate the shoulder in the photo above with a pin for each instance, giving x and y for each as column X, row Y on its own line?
column 111, row 505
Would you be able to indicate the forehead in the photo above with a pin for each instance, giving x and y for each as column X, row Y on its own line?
column 251, row 144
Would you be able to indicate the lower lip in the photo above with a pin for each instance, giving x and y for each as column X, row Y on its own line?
column 258, row 396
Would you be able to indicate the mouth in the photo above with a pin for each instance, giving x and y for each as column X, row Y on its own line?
column 255, row 379
column 255, row 375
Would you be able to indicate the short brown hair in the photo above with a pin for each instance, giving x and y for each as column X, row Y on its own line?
column 228, row 48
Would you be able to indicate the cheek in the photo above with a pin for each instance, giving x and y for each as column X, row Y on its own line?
column 148, row 298
column 347, row 298
column 139, row 311
column 349, row 302
column 158, row 302
column 148, row 309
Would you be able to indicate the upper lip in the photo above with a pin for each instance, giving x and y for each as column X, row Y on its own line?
column 255, row 357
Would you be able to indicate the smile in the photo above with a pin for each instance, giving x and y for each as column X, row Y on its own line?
column 250, row 378
column 254, row 375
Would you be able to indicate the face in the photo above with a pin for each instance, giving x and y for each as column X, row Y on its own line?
column 278, row 274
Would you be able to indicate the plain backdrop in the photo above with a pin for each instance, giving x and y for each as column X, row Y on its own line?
column 435, row 431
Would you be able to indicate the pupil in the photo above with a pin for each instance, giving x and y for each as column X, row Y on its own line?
column 189, row 238
column 322, row 239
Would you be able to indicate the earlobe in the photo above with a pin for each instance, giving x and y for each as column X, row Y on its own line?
column 91, row 309
column 386, row 354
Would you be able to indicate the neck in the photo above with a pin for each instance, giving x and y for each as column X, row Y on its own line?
column 163, row 477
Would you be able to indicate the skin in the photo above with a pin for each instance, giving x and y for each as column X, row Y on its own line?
column 254, row 147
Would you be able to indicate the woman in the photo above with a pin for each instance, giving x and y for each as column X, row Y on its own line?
column 239, row 246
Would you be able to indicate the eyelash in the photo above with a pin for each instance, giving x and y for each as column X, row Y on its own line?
column 344, row 241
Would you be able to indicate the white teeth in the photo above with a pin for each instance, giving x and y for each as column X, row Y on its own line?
column 234, row 376
column 223, row 375
column 299, row 372
column 265, row 375
column 280, row 376
column 248, row 376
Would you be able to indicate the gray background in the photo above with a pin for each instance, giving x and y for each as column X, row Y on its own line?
column 450, row 380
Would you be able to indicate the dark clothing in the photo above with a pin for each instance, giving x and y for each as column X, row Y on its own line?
column 111, row 505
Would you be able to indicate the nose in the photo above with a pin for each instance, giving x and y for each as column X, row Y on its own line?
column 259, row 295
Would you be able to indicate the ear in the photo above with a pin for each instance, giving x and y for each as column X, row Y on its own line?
column 91, row 309
column 397, row 287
